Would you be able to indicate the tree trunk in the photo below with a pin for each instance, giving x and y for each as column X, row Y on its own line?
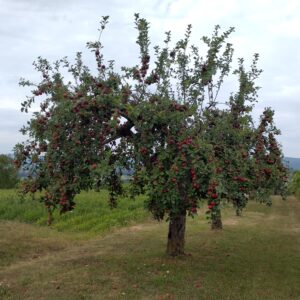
column 176, row 235
column 238, row 212
column 216, row 220
column 50, row 217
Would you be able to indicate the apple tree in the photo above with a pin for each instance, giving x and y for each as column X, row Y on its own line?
column 8, row 174
column 268, row 171
column 152, row 117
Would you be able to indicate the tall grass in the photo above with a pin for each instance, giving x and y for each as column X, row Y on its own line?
column 92, row 213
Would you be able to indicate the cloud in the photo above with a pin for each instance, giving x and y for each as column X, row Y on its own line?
column 54, row 29
column 11, row 121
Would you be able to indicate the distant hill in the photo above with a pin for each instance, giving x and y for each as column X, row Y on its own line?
column 292, row 162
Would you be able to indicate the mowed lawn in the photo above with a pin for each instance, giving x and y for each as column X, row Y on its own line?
column 256, row 256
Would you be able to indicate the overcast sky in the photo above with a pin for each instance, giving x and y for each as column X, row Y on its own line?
column 53, row 29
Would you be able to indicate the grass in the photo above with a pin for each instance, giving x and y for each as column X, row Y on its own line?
column 256, row 256
column 91, row 216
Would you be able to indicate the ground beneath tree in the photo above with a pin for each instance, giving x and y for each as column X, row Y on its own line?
column 256, row 256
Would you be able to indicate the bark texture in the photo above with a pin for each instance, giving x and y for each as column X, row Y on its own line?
column 176, row 235
column 216, row 221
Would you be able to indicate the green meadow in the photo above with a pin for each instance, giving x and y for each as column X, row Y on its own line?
column 98, row 253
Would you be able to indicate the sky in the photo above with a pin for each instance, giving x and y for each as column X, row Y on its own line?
column 54, row 29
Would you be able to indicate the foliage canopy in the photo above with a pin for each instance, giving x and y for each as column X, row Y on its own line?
column 8, row 173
